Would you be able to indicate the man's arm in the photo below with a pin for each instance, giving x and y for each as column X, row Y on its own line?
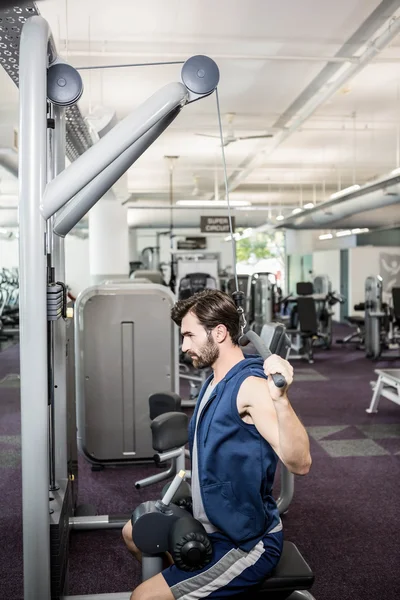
column 277, row 422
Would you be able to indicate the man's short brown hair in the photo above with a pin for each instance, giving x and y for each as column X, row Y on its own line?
column 212, row 308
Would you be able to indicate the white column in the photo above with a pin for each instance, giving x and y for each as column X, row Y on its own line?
column 133, row 250
column 108, row 240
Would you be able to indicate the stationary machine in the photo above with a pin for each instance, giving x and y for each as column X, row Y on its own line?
column 51, row 201
column 260, row 292
column 114, row 351
column 194, row 270
column 309, row 321
column 9, row 303
column 264, row 292
column 381, row 321
column 68, row 194
column 192, row 283
column 387, row 385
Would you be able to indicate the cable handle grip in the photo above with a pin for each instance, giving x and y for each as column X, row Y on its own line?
column 264, row 352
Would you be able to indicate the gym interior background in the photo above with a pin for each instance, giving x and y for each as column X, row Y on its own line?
column 309, row 95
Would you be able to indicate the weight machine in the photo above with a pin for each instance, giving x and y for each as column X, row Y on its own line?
column 52, row 201
column 381, row 320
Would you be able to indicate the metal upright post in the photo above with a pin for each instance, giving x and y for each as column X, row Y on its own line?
column 50, row 324
column 287, row 490
column 60, row 371
column 33, row 309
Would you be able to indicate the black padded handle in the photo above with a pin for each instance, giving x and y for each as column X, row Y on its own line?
column 264, row 352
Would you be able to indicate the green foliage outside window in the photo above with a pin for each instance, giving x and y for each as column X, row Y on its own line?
column 260, row 245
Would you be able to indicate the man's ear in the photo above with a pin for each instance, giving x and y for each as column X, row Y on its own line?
column 220, row 333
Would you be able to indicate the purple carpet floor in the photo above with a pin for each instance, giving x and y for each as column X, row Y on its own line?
column 344, row 516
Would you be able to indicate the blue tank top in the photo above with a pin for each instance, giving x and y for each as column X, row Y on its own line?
column 236, row 465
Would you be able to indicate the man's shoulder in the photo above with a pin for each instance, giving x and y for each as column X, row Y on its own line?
column 250, row 386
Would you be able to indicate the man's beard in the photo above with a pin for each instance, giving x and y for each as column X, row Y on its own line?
column 207, row 355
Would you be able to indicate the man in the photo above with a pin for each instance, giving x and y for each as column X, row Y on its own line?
column 241, row 425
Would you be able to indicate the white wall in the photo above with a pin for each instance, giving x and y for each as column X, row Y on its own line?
column 77, row 264
column 328, row 263
column 9, row 254
column 299, row 242
column 363, row 262
column 307, row 241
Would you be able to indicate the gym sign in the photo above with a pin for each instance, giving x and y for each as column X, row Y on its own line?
column 216, row 224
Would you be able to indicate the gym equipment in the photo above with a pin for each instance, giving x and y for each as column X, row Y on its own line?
column 310, row 319
column 263, row 292
column 195, row 282
column 292, row 572
column 9, row 303
column 261, row 297
column 196, row 378
column 244, row 285
column 357, row 336
column 322, row 284
column 113, row 354
column 43, row 345
column 153, row 276
column 168, row 442
column 381, row 320
column 67, row 196
column 374, row 313
column 161, row 527
column 150, row 258
column 192, row 262
column 387, row 385
column 135, row 265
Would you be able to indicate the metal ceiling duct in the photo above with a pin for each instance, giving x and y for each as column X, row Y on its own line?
column 377, row 194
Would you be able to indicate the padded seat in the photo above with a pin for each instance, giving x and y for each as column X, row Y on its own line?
column 291, row 574
column 359, row 321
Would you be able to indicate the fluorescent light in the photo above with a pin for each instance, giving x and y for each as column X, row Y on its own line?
column 309, row 205
column 296, row 211
column 236, row 236
column 344, row 192
column 395, row 172
column 251, row 207
column 280, row 218
column 343, row 233
column 358, row 230
column 212, row 203
column 325, row 236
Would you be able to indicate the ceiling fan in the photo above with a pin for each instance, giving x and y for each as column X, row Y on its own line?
column 231, row 137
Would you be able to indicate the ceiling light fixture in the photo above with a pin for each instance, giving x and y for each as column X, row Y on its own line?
column 212, row 203
column 358, row 230
column 345, row 191
column 309, row 205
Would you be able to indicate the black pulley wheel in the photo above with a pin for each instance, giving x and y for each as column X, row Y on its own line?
column 189, row 544
column 64, row 84
column 200, row 74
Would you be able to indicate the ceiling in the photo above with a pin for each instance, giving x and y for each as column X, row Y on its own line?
column 275, row 60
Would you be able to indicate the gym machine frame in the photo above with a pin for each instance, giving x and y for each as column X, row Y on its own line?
column 52, row 201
